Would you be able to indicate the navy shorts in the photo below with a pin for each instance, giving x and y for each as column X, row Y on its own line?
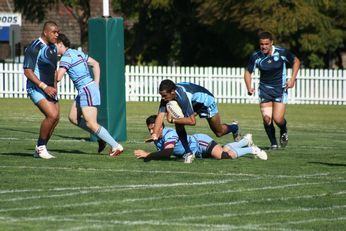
column 272, row 94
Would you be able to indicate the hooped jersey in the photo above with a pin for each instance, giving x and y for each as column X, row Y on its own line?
column 198, row 143
column 76, row 64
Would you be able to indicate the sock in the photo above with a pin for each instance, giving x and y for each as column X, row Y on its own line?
column 41, row 142
column 104, row 135
column 183, row 137
column 242, row 151
column 82, row 125
column 283, row 127
column 241, row 143
column 232, row 128
column 270, row 130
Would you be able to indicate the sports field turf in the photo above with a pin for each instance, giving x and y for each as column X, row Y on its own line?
column 300, row 188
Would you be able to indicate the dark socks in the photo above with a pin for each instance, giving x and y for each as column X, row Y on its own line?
column 183, row 137
column 232, row 128
column 41, row 142
column 270, row 130
column 283, row 127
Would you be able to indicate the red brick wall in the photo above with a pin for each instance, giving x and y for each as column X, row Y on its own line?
column 67, row 24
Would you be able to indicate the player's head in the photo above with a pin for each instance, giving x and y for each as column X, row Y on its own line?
column 50, row 32
column 150, row 121
column 265, row 42
column 62, row 38
column 167, row 90
column 63, row 43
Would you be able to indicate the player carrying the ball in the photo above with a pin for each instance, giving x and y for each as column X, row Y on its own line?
column 202, row 146
column 194, row 100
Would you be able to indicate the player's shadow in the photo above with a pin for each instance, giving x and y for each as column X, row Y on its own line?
column 30, row 152
column 70, row 151
column 328, row 164
column 54, row 134
column 21, row 154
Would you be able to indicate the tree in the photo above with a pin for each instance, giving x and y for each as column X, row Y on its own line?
column 307, row 27
column 35, row 11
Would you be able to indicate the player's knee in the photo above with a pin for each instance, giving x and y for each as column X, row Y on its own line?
column 267, row 120
column 54, row 117
column 218, row 134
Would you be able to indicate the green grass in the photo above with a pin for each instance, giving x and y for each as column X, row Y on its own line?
column 300, row 188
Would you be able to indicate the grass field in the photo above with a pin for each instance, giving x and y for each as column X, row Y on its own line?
column 300, row 188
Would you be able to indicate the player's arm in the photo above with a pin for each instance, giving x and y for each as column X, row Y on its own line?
column 159, row 155
column 29, row 73
column 248, row 82
column 158, row 123
column 60, row 74
column 191, row 120
column 95, row 66
column 186, row 106
column 295, row 68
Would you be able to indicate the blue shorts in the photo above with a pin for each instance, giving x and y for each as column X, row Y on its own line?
column 203, row 141
column 88, row 96
column 272, row 94
column 36, row 94
column 208, row 112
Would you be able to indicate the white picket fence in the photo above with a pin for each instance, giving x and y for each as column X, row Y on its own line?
column 313, row 86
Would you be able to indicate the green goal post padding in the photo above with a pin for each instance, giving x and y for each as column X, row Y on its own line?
column 106, row 45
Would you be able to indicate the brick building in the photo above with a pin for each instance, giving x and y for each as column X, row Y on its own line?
column 30, row 31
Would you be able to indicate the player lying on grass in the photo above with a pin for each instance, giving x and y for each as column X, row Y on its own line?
column 202, row 146
column 193, row 100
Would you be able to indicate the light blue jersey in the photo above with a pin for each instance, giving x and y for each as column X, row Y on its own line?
column 76, row 65
column 198, row 143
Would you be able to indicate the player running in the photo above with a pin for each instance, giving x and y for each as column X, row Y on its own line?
column 84, row 109
column 201, row 145
column 271, row 62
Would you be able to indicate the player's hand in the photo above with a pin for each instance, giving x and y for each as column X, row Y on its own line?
column 290, row 84
column 154, row 136
column 140, row 153
column 250, row 91
column 169, row 117
column 50, row 91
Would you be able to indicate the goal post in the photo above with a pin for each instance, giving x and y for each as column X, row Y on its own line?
column 106, row 45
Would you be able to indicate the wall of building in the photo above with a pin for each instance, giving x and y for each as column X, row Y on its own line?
column 66, row 22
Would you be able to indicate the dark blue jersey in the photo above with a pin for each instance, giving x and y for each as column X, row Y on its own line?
column 191, row 98
column 273, row 67
column 42, row 59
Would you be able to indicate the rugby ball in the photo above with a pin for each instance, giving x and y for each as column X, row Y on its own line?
column 174, row 109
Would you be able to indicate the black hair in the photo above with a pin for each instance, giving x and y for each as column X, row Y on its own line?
column 265, row 35
column 167, row 85
column 63, row 38
column 48, row 24
column 151, row 120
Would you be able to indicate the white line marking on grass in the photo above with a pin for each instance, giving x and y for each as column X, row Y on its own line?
column 167, row 223
column 106, row 189
column 300, row 209
column 194, row 206
column 315, row 175
column 112, row 188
